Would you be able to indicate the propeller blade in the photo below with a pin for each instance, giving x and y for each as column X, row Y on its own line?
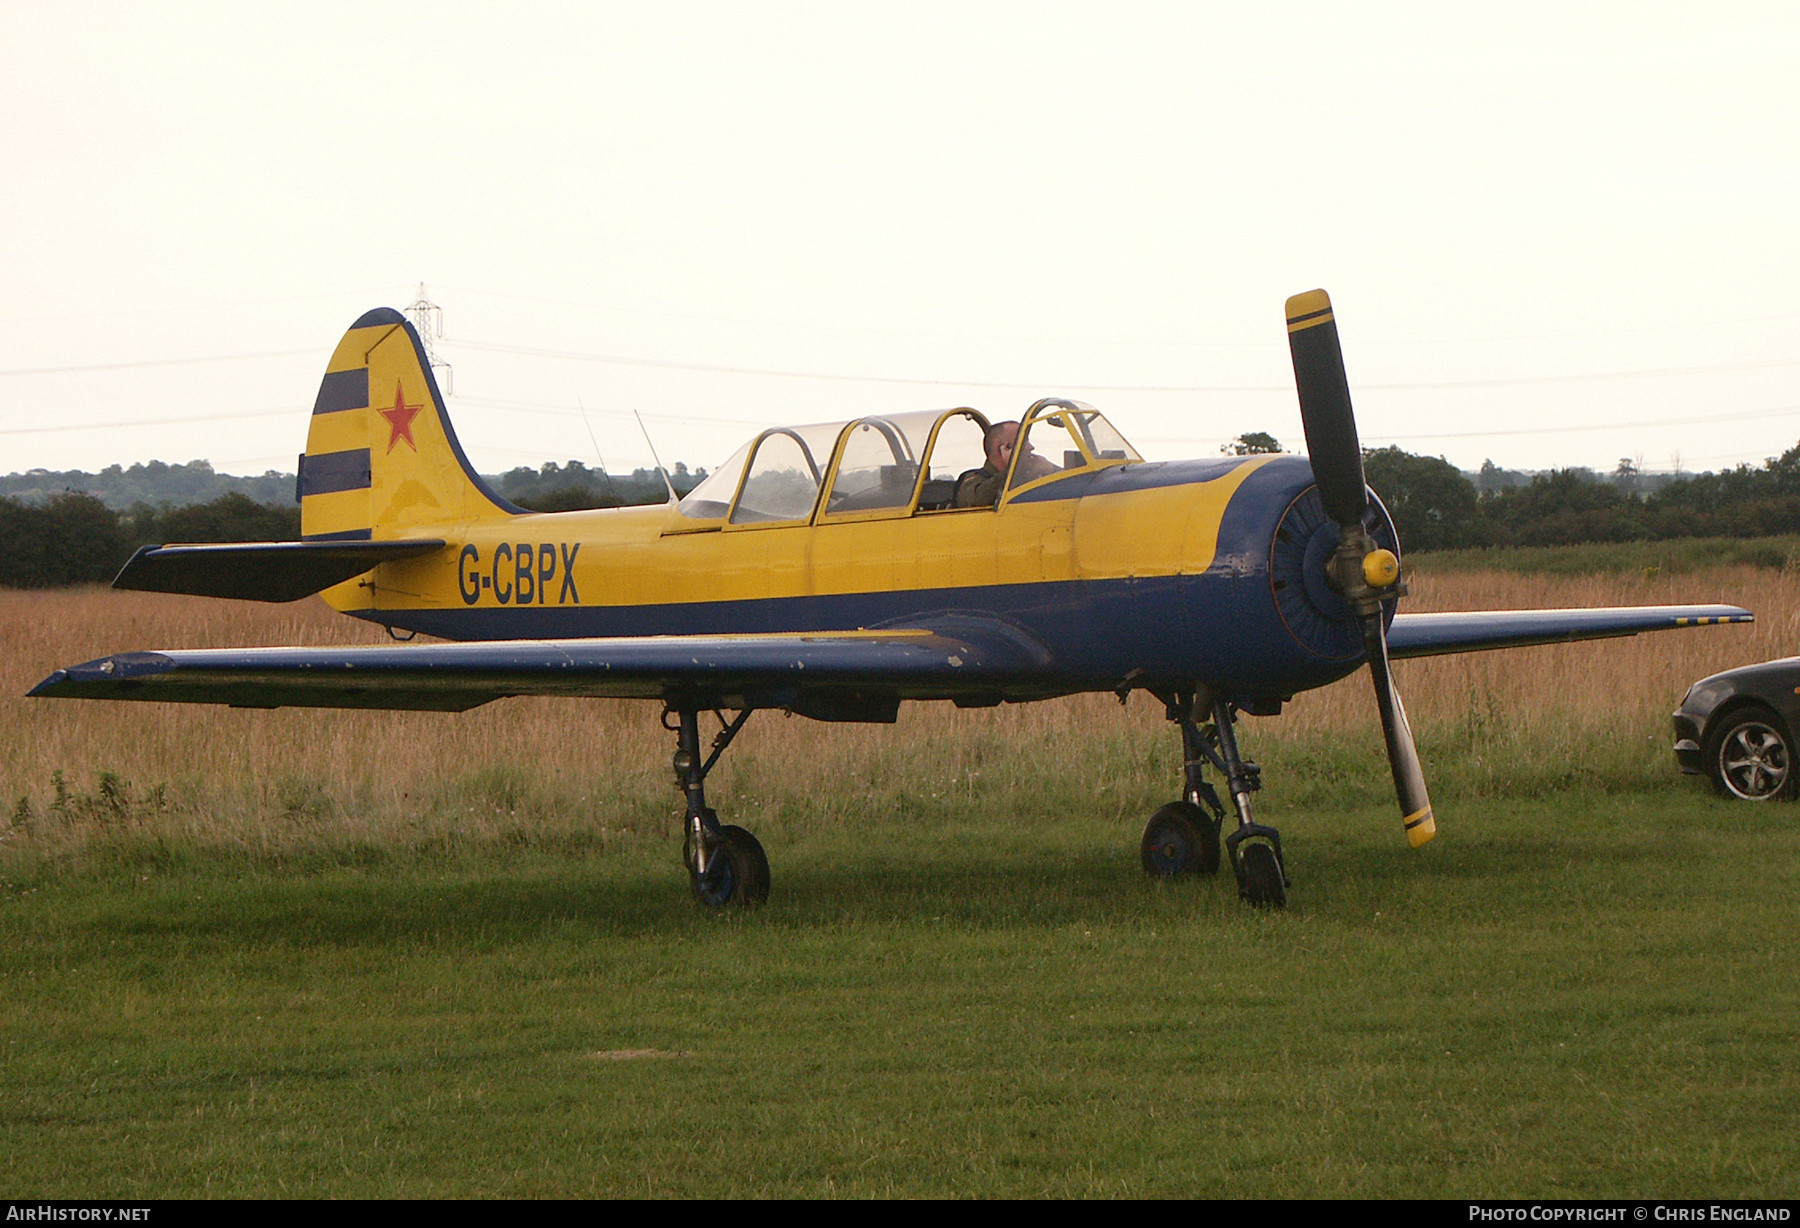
column 1403, row 755
column 1331, row 442
column 1359, row 569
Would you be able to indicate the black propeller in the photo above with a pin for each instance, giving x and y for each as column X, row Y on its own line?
column 1362, row 571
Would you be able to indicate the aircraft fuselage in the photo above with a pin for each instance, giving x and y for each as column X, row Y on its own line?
column 1168, row 573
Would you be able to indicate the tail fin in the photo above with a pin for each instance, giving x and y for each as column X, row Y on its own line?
column 381, row 457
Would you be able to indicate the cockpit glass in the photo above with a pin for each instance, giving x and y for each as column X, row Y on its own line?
column 1069, row 439
column 1103, row 443
column 786, row 470
column 710, row 499
column 775, row 479
column 879, row 463
column 1047, row 447
column 958, row 447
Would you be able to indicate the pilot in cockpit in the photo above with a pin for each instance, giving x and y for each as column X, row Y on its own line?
column 981, row 487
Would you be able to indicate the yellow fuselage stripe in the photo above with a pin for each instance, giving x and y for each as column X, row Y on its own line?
column 653, row 556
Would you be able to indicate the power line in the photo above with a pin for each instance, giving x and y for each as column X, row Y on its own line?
column 563, row 411
column 714, row 369
column 115, row 426
column 168, row 310
column 1601, row 426
column 160, row 362
column 777, row 373
column 720, row 369
column 1636, row 329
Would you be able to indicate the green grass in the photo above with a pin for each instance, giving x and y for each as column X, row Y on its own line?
column 1676, row 556
column 1583, row 995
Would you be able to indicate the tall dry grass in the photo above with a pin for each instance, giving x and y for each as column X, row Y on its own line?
column 272, row 782
column 1592, row 714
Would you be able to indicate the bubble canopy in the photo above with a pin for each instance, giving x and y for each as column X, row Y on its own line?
column 890, row 465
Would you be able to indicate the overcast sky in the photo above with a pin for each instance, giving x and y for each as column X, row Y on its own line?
column 1555, row 234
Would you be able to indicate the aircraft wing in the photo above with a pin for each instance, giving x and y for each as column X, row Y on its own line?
column 1430, row 635
column 850, row 675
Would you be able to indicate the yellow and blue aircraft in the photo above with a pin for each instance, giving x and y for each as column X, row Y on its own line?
column 828, row 571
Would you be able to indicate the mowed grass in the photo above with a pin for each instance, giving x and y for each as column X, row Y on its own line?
column 367, row 954
column 1565, row 999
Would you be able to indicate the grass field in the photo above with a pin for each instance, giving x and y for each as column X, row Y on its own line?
column 365, row 954
column 1676, row 556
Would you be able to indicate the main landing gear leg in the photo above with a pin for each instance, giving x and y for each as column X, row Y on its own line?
column 1183, row 837
column 726, row 865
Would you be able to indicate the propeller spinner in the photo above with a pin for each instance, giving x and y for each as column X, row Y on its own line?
column 1362, row 571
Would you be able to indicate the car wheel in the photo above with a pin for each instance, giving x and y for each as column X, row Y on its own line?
column 1752, row 757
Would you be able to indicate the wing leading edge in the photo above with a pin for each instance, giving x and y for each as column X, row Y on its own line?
column 830, row 676
column 1429, row 635
column 856, row 675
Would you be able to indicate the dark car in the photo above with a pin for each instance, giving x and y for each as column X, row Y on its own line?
column 1737, row 727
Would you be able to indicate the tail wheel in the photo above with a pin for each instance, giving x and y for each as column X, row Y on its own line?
column 738, row 874
column 1180, row 840
column 1752, row 757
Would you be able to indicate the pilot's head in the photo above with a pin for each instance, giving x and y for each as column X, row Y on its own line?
column 998, row 442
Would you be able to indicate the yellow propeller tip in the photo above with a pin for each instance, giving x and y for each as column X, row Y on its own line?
column 1311, row 303
column 1420, row 828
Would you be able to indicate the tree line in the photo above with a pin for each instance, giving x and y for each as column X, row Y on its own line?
column 151, row 483
column 1437, row 507
column 52, row 536
column 78, row 537
column 549, row 487
column 567, row 488
column 73, row 537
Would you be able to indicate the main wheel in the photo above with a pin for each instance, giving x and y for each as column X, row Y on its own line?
column 1263, row 885
column 738, row 874
column 1180, row 840
column 1752, row 757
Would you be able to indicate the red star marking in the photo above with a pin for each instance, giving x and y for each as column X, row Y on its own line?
column 400, row 419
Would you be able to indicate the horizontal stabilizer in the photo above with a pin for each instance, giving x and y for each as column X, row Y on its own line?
column 1430, row 635
column 852, row 675
column 260, row 571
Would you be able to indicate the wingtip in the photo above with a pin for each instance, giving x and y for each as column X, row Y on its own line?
column 102, row 677
column 49, row 685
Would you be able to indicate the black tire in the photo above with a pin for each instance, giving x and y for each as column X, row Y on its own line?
column 738, row 875
column 1750, row 757
column 1263, row 885
column 1180, row 840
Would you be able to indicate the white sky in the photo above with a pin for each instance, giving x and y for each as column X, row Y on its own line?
column 1555, row 233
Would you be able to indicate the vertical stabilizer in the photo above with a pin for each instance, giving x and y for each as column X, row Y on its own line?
column 382, row 460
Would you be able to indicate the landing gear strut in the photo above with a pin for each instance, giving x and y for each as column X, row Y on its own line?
column 726, row 865
column 1183, row 837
